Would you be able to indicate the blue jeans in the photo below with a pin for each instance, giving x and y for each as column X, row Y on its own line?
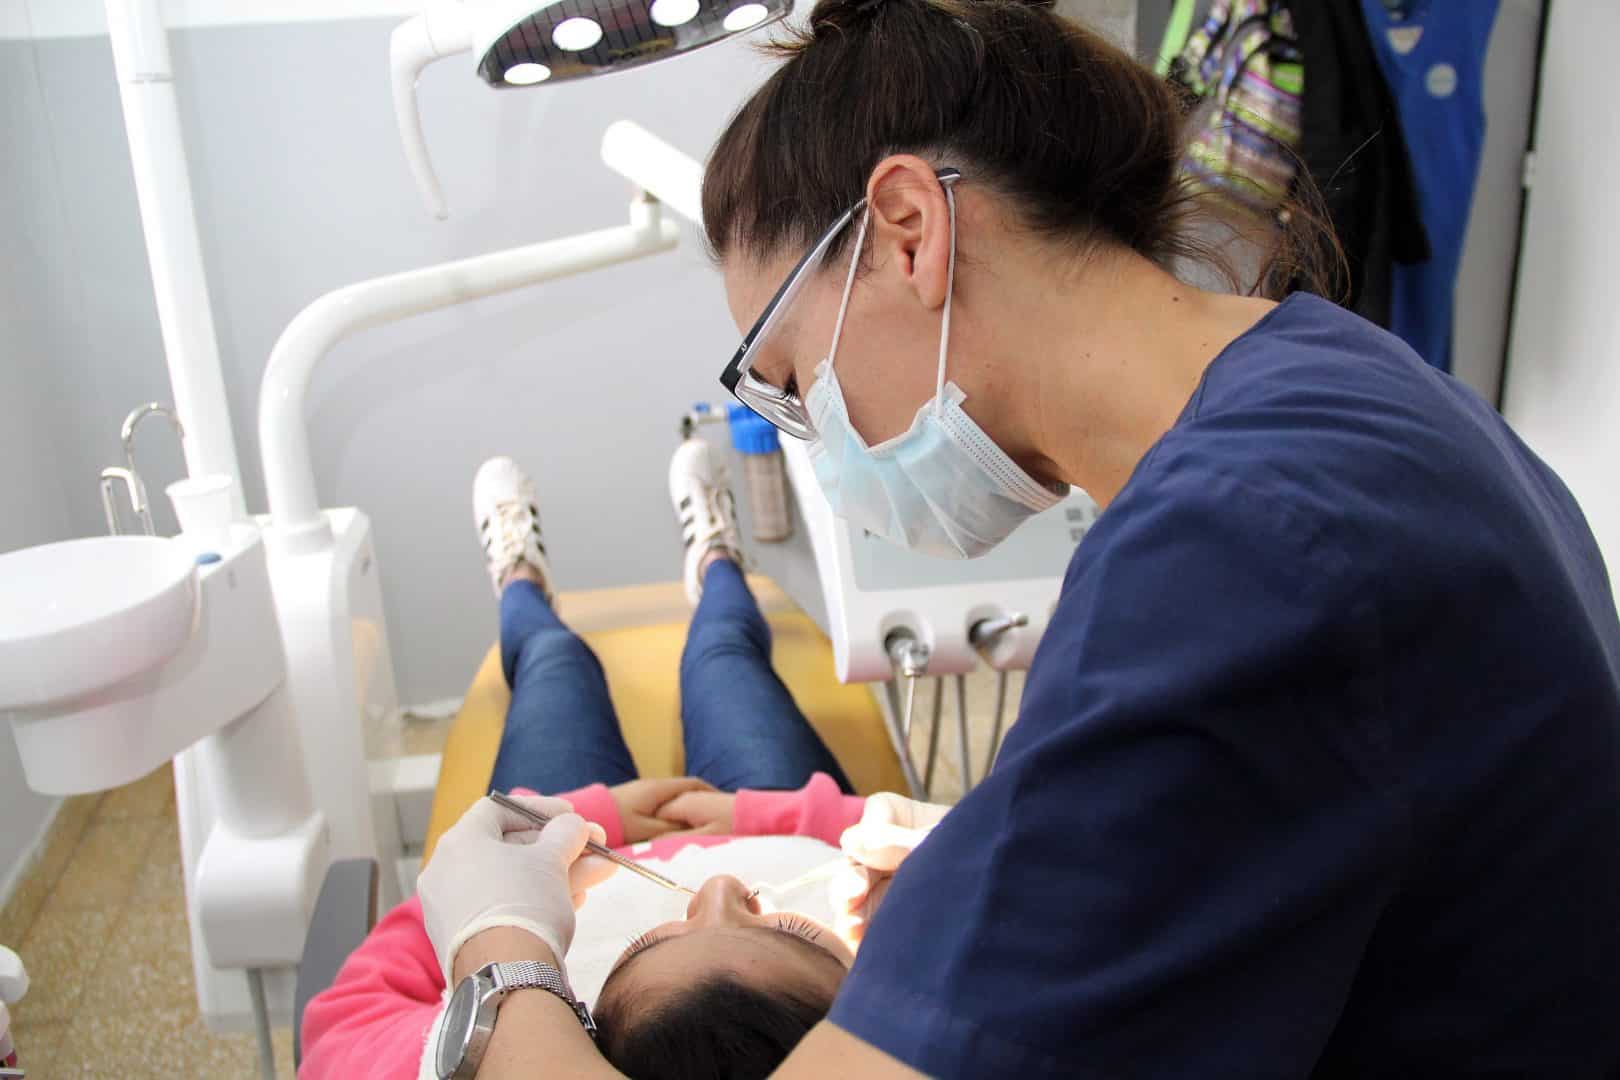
column 739, row 724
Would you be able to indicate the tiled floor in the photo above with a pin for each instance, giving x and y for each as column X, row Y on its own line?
column 100, row 922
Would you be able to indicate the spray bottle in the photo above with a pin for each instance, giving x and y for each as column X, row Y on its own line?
column 755, row 439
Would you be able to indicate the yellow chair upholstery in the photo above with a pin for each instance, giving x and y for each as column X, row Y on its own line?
column 642, row 661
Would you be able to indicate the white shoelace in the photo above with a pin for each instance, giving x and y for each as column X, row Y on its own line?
column 711, row 524
column 509, row 527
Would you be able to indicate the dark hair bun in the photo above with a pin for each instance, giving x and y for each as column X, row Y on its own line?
column 837, row 15
column 1078, row 139
column 840, row 15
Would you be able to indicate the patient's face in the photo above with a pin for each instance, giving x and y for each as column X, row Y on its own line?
column 726, row 935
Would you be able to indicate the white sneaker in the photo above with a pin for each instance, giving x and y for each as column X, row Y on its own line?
column 707, row 513
column 508, row 522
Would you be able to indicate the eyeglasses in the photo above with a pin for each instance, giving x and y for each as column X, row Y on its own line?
column 783, row 409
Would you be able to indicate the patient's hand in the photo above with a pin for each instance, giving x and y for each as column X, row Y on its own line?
column 704, row 812
column 641, row 803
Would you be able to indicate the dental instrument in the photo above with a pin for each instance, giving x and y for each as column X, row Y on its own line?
column 984, row 636
column 816, row 873
column 933, row 738
column 964, row 757
column 540, row 821
column 909, row 658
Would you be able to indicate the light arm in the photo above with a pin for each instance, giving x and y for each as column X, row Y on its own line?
column 654, row 166
column 435, row 34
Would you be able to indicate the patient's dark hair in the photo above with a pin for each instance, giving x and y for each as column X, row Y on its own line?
column 717, row 1029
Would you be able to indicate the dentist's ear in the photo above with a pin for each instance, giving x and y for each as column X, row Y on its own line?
column 911, row 225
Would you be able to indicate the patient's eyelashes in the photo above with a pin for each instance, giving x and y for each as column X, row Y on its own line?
column 802, row 927
column 637, row 943
column 791, row 924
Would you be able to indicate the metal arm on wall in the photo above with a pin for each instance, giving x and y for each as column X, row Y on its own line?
column 289, row 470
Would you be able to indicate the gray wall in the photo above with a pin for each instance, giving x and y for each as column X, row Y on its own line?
column 1485, row 281
column 33, row 420
column 301, row 187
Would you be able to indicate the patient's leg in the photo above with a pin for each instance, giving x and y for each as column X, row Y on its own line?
column 561, row 731
column 740, row 725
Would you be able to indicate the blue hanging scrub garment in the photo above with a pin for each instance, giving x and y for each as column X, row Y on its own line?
column 1433, row 58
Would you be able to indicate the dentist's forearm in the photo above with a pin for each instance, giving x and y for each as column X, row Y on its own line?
column 536, row 1033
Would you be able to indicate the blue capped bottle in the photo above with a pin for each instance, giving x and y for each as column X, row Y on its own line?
column 756, row 441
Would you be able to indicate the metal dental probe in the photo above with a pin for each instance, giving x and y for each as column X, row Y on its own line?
column 809, row 877
column 592, row 846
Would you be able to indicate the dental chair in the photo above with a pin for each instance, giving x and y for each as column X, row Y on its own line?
column 638, row 635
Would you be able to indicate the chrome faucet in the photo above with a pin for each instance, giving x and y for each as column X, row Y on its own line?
column 126, row 473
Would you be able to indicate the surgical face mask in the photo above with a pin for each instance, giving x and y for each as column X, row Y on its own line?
column 943, row 487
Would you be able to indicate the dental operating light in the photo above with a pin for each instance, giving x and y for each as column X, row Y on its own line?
column 544, row 42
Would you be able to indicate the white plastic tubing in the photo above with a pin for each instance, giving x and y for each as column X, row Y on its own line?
column 439, row 32
column 157, row 153
column 668, row 175
column 297, row 524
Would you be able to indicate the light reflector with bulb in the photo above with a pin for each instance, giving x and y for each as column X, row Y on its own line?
column 527, row 74
column 673, row 13
column 576, row 34
column 745, row 17
column 529, row 42
column 577, row 38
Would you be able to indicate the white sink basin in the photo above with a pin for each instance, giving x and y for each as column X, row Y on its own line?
column 84, row 615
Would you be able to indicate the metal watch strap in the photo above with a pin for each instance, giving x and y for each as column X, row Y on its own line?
column 533, row 974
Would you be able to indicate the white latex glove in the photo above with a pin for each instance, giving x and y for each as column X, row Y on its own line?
column 891, row 826
column 493, row 868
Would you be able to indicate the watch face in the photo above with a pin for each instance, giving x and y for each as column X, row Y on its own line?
column 457, row 1029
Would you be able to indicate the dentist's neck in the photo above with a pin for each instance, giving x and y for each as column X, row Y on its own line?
column 1110, row 355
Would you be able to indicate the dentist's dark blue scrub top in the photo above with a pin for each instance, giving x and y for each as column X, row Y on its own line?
column 1317, row 771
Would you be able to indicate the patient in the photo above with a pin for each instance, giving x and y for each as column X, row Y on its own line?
column 722, row 986
column 725, row 992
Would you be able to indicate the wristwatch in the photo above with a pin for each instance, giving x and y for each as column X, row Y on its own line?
column 469, row 1019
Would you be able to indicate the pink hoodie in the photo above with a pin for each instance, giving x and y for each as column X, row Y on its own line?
column 374, row 1017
